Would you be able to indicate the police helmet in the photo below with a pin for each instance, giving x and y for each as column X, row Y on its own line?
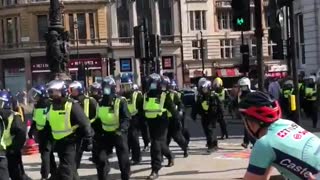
column 201, row 81
column 5, row 100
column 244, row 84
column 154, row 81
column 135, row 87
column 108, row 85
column 39, row 91
column 165, row 82
column 76, row 88
column 205, row 87
column 173, row 85
column 95, row 89
column 57, row 88
column 217, row 82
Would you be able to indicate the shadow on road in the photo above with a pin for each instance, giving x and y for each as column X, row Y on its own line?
column 202, row 172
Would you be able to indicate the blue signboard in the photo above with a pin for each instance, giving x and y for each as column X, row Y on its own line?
column 126, row 65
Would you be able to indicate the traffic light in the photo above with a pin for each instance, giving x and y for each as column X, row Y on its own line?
column 139, row 42
column 112, row 65
column 154, row 45
column 81, row 72
column 241, row 15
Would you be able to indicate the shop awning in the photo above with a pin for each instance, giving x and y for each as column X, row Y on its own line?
column 198, row 72
column 228, row 72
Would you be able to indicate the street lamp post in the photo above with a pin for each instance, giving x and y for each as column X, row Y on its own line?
column 202, row 53
column 75, row 24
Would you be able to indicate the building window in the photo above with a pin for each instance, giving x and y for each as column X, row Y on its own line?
column 165, row 27
column 42, row 27
column 271, row 45
column 227, row 48
column 196, row 49
column 224, row 20
column 252, row 47
column 82, row 31
column 71, row 28
column 198, row 20
column 10, row 32
column 92, row 30
column 301, row 44
column 2, row 30
column 124, row 28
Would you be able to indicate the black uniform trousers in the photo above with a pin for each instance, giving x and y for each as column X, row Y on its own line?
column 79, row 152
column 247, row 138
column 4, row 173
column 48, row 163
column 311, row 110
column 103, row 145
column 144, row 129
column 133, row 139
column 175, row 132
column 223, row 125
column 66, row 149
column 209, row 128
column 15, row 165
column 158, row 129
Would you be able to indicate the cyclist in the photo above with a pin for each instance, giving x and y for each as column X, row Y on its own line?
column 281, row 143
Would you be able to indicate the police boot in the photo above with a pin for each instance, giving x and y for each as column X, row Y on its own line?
column 185, row 153
column 153, row 175
column 170, row 162
column 213, row 148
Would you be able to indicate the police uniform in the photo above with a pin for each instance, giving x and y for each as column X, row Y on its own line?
column 90, row 108
column 246, row 138
column 65, row 118
column 309, row 93
column 223, row 96
column 175, row 125
column 208, row 106
column 135, row 107
column 156, row 107
column 46, row 142
column 111, row 129
column 13, row 139
column 285, row 103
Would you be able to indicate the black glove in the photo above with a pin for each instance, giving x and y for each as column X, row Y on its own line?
column 30, row 135
column 87, row 144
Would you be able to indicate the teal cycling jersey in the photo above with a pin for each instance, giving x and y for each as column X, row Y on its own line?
column 294, row 151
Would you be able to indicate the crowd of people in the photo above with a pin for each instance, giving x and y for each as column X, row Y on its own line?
column 70, row 119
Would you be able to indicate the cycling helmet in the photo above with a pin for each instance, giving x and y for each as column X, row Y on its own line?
column 259, row 106
column 108, row 85
column 245, row 82
column 57, row 88
column 76, row 86
column 154, row 81
column 5, row 100
column 39, row 91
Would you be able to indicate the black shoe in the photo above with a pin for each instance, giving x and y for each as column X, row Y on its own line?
column 185, row 153
column 146, row 148
column 133, row 162
column 153, row 175
column 170, row 162
column 212, row 149
column 244, row 145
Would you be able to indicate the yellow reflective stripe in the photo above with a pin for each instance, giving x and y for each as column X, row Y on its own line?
column 86, row 106
column 21, row 113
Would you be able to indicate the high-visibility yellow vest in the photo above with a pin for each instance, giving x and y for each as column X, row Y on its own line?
column 287, row 93
column 60, row 122
column 179, row 95
column 6, row 139
column 40, row 117
column 20, row 111
column 221, row 95
column 310, row 94
column 154, row 107
column 205, row 105
column 132, row 105
column 172, row 95
column 299, row 86
column 86, row 105
column 110, row 116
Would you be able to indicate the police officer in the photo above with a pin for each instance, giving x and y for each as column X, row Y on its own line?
column 156, row 106
column 175, row 125
column 65, row 117
column 135, row 107
column 224, row 97
column 208, row 106
column 95, row 91
column 113, row 118
column 40, row 96
column 309, row 93
column 89, row 106
column 287, row 90
column 13, row 133
column 244, row 89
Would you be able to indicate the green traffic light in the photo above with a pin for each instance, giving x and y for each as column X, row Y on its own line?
column 240, row 21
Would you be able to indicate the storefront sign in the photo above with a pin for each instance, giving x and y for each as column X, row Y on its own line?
column 126, row 65
column 39, row 64
column 167, row 62
column 278, row 68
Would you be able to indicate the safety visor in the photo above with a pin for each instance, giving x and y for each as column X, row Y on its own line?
column 35, row 94
column 244, row 88
column 3, row 101
column 153, row 86
column 74, row 91
column 205, row 89
column 54, row 93
column 126, row 87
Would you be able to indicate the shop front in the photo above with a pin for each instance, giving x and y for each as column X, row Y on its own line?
column 14, row 75
column 168, row 66
column 41, row 73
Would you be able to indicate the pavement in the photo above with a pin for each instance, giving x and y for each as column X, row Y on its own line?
column 229, row 162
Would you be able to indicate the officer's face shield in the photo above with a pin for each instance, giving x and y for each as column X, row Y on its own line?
column 54, row 93
column 205, row 90
column 126, row 88
column 153, row 86
column 244, row 88
column 34, row 95
column 164, row 86
column 95, row 92
column 107, row 90
column 74, row 91
column 3, row 102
